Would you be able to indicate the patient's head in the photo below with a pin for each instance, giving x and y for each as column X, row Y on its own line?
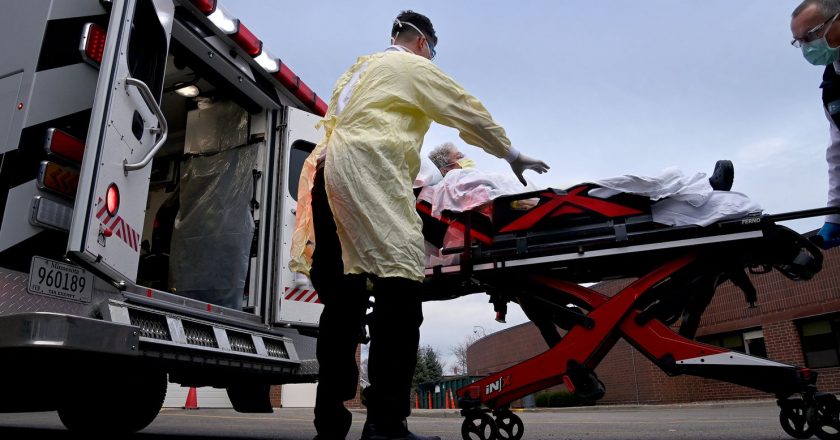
column 446, row 157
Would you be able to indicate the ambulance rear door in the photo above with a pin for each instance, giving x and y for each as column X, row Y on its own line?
column 127, row 128
column 296, row 302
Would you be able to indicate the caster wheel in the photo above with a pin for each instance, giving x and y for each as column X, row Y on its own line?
column 479, row 426
column 793, row 419
column 509, row 425
column 823, row 418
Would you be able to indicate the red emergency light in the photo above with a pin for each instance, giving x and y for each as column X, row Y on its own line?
column 92, row 45
column 112, row 200
column 305, row 94
column 320, row 107
column 206, row 7
column 253, row 46
column 247, row 40
column 62, row 144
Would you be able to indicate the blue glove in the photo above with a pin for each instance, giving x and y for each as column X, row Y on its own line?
column 830, row 234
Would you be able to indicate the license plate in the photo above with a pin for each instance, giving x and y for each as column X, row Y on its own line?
column 60, row 280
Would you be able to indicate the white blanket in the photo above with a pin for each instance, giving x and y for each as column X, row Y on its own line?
column 465, row 189
column 682, row 200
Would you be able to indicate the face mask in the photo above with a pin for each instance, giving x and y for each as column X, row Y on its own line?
column 818, row 52
column 466, row 162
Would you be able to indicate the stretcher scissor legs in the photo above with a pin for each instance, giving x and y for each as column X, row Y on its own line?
column 641, row 313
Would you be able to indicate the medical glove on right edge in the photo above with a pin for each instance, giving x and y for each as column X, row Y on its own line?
column 523, row 162
column 830, row 234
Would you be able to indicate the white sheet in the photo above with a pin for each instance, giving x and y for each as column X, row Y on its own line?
column 465, row 189
column 682, row 200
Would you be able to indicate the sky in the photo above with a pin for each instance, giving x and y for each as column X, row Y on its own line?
column 595, row 89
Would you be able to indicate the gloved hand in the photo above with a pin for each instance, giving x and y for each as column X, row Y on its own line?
column 830, row 234
column 523, row 163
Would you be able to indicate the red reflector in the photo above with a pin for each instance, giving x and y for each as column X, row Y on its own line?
column 305, row 94
column 205, row 6
column 64, row 145
column 287, row 77
column 247, row 40
column 112, row 199
column 58, row 179
column 93, row 43
column 806, row 373
column 320, row 107
column 20, row 106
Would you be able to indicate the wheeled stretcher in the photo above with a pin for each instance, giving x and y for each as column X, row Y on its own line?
column 539, row 257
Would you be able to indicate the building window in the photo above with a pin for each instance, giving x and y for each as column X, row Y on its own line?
column 820, row 342
column 750, row 342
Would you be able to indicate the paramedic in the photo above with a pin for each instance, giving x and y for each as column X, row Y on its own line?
column 816, row 33
column 356, row 193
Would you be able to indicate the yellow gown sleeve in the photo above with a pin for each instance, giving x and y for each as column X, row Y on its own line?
column 447, row 103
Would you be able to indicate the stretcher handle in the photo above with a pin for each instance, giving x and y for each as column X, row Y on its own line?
column 163, row 131
column 816, row 212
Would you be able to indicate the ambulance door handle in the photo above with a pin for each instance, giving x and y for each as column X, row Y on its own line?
column 163, row 131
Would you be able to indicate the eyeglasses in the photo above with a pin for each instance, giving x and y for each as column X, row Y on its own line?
column 814, row 33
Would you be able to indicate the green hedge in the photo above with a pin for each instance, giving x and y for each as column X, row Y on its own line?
column 558, row 399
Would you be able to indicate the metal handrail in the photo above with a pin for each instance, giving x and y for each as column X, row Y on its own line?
column 163, row 130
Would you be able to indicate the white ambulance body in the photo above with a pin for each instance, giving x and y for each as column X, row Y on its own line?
column 149, row 158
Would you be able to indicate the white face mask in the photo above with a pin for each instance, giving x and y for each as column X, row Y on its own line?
column 399, row 23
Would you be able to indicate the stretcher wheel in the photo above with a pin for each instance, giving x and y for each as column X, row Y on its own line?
column 479, row 426
column 509, row 425
column 823, row 418
column 793, row 419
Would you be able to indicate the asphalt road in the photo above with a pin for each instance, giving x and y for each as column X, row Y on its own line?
column 741, row 421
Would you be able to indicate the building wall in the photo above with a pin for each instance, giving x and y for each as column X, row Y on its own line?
column 632, row 378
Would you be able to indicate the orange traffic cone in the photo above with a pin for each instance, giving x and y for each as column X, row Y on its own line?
column 452, row 399
column 192, row 400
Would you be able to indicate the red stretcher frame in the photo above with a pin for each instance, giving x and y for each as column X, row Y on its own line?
column 614, row 317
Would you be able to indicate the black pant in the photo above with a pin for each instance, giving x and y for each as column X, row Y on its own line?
column 394, row 332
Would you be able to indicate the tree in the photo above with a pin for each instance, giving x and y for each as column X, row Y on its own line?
column 460, row 351
column 428, row 367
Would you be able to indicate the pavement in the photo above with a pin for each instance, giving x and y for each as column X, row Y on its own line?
column 714, row 404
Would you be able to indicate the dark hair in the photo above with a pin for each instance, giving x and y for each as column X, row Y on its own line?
column 421, row 21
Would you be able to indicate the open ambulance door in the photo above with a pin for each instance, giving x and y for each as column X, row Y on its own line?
column 296, row 300
column 126, row 129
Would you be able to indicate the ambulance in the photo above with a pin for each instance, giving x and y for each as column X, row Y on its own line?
column 149, row 157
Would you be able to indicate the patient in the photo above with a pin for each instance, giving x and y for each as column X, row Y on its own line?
column 463, row 187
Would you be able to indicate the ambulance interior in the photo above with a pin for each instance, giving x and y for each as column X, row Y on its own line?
column 199, row 231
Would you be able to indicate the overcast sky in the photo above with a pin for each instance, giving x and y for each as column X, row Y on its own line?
column 596, row 89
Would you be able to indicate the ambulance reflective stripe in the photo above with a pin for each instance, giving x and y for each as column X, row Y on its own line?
column 120, row 227
column 302, row 295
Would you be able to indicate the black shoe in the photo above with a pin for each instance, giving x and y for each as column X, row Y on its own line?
column 723, row 175
column 391, row 431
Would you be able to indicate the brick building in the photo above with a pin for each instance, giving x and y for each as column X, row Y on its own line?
column 794, row 322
